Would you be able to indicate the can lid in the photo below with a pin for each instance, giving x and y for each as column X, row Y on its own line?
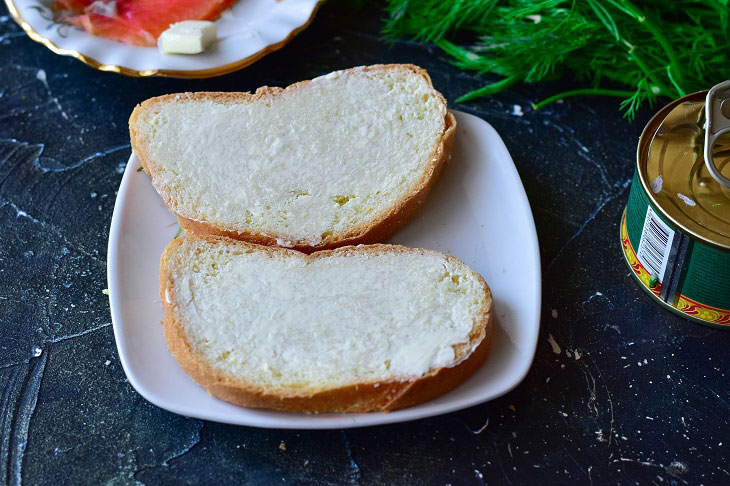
column 679, row 182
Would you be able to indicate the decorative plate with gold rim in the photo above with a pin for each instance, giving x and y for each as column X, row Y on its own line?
column 246, row 32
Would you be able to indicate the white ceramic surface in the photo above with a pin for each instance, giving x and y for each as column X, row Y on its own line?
column 478, row 211
column 244, row 30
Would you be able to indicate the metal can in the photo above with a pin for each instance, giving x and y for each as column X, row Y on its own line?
column 675, row 231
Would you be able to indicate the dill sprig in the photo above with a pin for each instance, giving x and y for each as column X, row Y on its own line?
column 652, row 47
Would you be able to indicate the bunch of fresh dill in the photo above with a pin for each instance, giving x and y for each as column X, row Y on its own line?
column 652, row 47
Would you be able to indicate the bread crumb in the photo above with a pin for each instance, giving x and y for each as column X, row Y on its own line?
column 554, row 344
column 282, row 446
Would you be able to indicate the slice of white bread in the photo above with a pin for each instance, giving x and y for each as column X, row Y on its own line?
column 356, row 329
column 346, row 158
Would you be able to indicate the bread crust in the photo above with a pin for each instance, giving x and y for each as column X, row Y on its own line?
column 371, row 396
column 378, row 229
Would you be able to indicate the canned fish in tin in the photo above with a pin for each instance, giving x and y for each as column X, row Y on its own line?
column 675, row 232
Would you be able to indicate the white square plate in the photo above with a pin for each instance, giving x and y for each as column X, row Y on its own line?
column 478, row 211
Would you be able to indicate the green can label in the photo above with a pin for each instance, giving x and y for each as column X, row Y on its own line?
column 692, row 277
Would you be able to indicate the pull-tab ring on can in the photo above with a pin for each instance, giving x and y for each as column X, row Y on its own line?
column 717, row 109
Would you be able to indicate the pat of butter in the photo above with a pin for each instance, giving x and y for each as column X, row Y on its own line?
column 187, row 37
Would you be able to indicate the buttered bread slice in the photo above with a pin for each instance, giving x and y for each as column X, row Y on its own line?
column 345, row 158
column 356, row 329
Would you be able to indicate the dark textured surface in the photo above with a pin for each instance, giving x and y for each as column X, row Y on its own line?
column 634, row 395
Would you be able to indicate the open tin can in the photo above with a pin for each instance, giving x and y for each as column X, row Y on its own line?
column 675, row 231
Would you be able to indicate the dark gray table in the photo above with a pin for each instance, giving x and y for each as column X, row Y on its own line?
column 635, row 394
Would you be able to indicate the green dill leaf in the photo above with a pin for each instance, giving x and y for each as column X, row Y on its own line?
column 649, row 47
column 605, row 17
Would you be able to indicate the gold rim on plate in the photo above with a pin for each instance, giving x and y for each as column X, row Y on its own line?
column 202, row 73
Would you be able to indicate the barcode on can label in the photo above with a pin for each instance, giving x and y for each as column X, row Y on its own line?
column 655, row 244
